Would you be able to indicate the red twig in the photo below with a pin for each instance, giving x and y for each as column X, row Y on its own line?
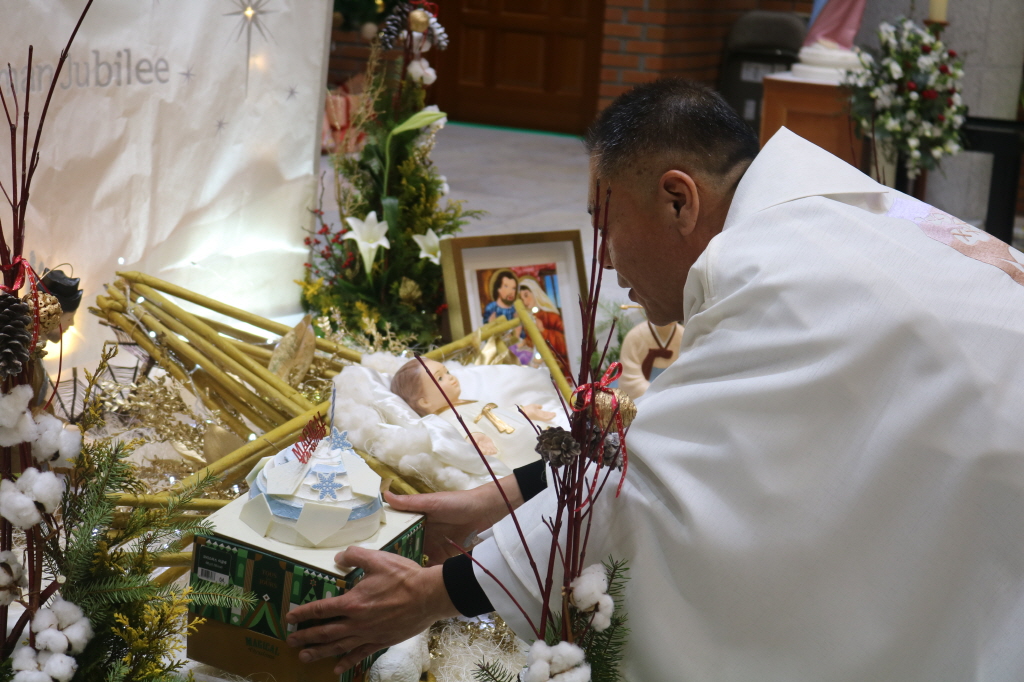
column 499, row 584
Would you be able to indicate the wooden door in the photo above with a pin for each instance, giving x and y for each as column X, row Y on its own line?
column 521, row 63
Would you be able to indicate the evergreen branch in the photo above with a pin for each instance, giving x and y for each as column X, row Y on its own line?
column 493, row 672
column 207, row 593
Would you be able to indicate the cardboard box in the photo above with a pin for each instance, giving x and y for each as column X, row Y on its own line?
column 251, row 643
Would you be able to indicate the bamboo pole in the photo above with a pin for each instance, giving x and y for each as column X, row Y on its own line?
column 263, row 380
column 224, row 362
column 173, row 559
column 135, row 332
column 185, row 350
column 229, row 400
column 231, row 311
column 271, row 437
column 235, row 334
column 163, row 500
column 486, row 332
column 541, row 346
column 170, row 575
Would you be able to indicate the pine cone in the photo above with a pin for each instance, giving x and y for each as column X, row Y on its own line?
column 437, row 34
column 557, row 446
column 15, row 335
column 394, row 25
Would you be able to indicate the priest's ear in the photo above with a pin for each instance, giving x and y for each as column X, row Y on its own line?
column 678, row 200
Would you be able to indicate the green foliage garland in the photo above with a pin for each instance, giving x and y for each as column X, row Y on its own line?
column 394, row 179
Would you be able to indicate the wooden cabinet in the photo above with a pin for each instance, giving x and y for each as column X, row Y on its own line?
column 818, row 112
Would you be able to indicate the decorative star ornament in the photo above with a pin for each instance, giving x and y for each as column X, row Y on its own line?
column 339, row 439
column 327, row 486
column 250, row 13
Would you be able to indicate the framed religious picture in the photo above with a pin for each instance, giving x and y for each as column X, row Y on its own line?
column 483, row 277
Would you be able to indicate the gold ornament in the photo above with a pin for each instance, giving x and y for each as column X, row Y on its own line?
column 605, row 407
column 409, row 292
column 419, row 20
column 49, row 311
column 379, row 5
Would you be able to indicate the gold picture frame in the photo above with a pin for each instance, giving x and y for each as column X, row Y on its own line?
column 552, row 260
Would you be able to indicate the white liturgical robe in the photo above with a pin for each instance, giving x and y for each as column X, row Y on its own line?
column 828, row 485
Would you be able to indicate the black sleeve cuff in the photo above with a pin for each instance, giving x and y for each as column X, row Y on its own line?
column 531, row 478
column 463, row 588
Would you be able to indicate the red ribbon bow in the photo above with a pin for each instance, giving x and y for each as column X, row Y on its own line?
column 19, row 281
column 425, row 4
column 613, row 372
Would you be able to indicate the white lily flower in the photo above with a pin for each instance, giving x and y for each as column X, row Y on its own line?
column 430, row 246
column 369, row 235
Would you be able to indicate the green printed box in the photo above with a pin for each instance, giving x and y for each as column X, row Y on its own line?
column 250, row 642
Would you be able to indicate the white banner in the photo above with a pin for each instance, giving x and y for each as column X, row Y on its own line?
column 182, row 141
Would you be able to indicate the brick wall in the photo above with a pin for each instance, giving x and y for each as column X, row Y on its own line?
column 647, row 39
column 348, row 57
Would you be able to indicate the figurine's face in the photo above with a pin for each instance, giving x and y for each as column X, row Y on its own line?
column 431, row 400
column 507, row 291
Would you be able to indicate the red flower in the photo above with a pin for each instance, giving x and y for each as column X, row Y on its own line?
column 949, row 101
column 441, row 308
column 929, row 94
column 926, row 49
column 911, row 85
column 952, row 54
column 943, row 68
column 941, row 118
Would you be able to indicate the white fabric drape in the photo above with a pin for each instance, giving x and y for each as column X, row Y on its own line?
column 171, row 149
column 828, row 485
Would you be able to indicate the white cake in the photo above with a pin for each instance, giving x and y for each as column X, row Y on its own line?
column 330, row 500
column 825, row 63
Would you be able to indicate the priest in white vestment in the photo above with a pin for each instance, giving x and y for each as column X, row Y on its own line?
column 828, row 485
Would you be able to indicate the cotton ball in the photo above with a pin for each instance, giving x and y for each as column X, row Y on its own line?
column 580, row 674
column 60, row 667
column 47, row 444
column 42, row 657
column 53, row 640
column 27, row 479
column 420, row 71
column 362, row 423
column 11, row 570
column 539, row 671
column 45, row 619
column 78, row 635
column 66, row 612
column 70, row 445
column 23, row 431
column 48, row 490
column 17, row 507
column 31, row 676
column 13, row 405
column 540, row 651
column 395, row 442
column 24, row 658
column 565, row 655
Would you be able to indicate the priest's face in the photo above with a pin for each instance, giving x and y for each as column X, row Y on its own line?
column 651, row 242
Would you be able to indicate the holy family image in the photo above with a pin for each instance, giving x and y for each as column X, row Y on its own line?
column 537, row 287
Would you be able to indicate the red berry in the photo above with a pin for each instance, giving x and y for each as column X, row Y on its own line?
column 926, row 49
column 941, row 118
column 929, row 94
column 911, row 85
column 943, row 68
column 952, row 54
column 949, row 101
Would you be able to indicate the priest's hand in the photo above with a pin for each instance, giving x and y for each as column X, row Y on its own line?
column 458, row 514
column 395, row 600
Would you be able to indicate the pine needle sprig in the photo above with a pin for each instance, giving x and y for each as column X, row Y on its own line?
column 489, row 671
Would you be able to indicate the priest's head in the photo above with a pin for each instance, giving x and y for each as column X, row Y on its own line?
column 672, row 152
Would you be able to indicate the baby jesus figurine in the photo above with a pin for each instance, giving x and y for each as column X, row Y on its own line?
column 498, row 431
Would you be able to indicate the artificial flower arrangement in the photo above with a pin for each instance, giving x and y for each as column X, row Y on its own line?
column 381, row 267
column 908, row 97
column 76, row 591
column 581, row 638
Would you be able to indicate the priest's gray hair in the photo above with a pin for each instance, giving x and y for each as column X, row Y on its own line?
column 671, row 119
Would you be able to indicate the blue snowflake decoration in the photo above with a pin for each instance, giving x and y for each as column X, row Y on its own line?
column 327, row 486
column 339, row 439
